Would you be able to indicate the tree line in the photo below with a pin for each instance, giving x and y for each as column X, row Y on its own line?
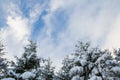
column 86, row 63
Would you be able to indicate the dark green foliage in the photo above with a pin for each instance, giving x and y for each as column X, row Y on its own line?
column 29, row 59
column 3, row 62
column 87, row 63
column 48, row 70
column 63, row 74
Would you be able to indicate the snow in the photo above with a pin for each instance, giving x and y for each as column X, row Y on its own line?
column 83, row 62
column 27, row 75
column 76, row 77
column 112, row 62
column 90, row 65
column 95, row 78
column 116, row 69
column 11, row 72
column 102, row 58
column 76, row 60
column 76, row 70
column 8, row 79
column 84, row 56
column 95, row 71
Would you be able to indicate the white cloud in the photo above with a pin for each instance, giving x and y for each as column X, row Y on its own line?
column 18, row 28
column 35, row 12
column 92, row 21
column 95, row 21
column 15, row 32
column 113, row 38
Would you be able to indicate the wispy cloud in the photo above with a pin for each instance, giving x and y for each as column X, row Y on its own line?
column 113, row 39
column 65, row 22
column 16, row 30
column 18, row 27
column 87, row 20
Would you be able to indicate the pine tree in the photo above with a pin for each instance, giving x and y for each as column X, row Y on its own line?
column 47, row 72
column 63, row 73
column 117, row 54
column 28, row 63
column 101, row 69
column 29, row 59
column 90, row 63
column 83, row 61
column 115, row 65
column 3, row 62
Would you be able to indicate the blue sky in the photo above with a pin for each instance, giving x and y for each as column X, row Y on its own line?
column 57, row 25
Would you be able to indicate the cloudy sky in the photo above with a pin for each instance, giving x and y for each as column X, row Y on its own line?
column 57, row 25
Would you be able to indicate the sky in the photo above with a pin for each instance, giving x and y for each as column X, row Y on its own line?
column 57, row 25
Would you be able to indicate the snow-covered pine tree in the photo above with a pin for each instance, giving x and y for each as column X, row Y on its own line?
column 63, row 73
column 93, row 64
column 101, row 69
column 83, row 61
column 47, row 70
column 27, row 64
column 29, row 59
column 117, row 54
column 3, row 62
column 106, row 67
column 115, row 65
